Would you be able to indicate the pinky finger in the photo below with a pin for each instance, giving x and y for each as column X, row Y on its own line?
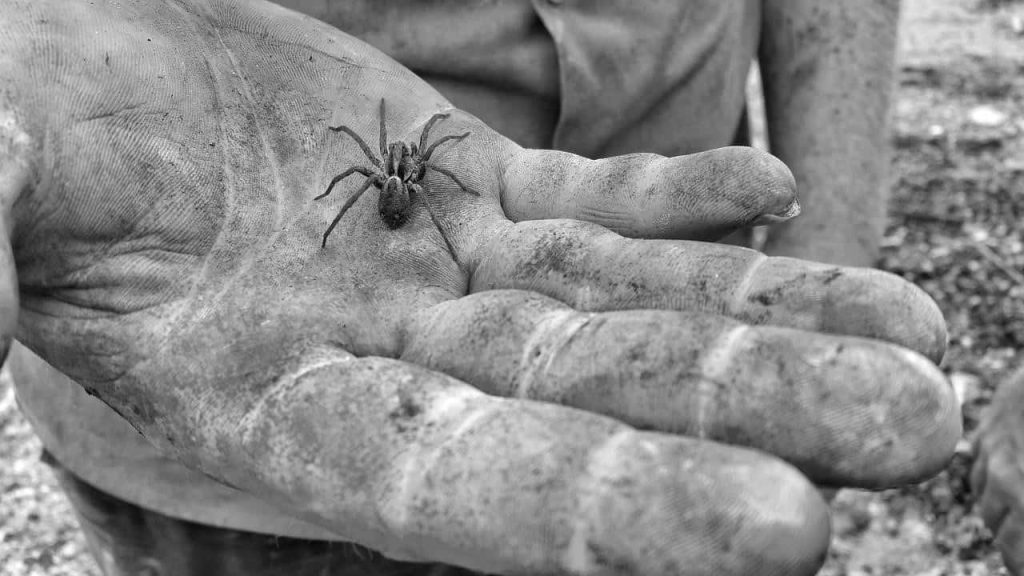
column 1010, row 541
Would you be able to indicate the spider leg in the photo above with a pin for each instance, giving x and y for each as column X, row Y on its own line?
column 353, row 170
column 362, row 144
column 448, row 173
column 430, row 124
column 418, row 190
column 383, row 132
column 426, row 155
column 348, row 204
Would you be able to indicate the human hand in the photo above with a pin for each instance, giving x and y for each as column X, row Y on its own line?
column 160, row 163
column 997, row 476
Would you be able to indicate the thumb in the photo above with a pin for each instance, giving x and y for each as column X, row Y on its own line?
column 15, row 149
column 701, row 196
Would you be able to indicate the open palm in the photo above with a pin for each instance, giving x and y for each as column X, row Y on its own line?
column 468, row 386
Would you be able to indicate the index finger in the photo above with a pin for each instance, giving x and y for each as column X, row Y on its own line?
column 700, row 196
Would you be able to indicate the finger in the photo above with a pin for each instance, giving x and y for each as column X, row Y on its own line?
column 1001, row 493
column 15, row 175
column 1010, row 541
column 701, row 196
column 846, row 411
column 426, row 468
column 593, row 269
column 997, row 476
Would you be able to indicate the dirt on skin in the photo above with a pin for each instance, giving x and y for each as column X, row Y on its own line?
column 955, row 229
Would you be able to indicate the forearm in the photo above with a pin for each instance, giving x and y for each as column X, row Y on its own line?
column 828, row 73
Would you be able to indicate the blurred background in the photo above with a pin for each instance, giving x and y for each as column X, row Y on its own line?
column 956, row 228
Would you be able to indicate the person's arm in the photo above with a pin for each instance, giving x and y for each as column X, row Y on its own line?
column 828, row 80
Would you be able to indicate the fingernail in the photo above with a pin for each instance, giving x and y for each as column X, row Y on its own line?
column 791, row 211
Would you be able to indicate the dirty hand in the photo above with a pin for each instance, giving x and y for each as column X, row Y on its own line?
column 469, row 386
column 997, row 476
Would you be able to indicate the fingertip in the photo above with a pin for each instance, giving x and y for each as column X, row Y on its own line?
column 849, row 301
column 729, row 188
column 907, row 316
column 797, row 516
column 786, row 528
column 763, row 177
column 924, row 415
column 782, row 176
column 700, row 196
column 860, row 413
column 727, row 510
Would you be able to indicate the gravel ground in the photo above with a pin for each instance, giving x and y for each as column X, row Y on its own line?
column 955, row 229
column 38, row 533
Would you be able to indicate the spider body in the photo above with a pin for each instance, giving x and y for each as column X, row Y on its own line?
column 396, row 175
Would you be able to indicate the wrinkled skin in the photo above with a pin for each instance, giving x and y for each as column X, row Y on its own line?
column 157, row 167
column 997, row 476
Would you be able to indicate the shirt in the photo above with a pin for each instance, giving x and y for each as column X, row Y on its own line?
column 593, row 77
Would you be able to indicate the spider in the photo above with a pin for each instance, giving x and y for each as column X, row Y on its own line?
column 397, row 177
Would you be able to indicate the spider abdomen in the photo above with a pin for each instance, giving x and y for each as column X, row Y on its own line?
column 395, row 203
